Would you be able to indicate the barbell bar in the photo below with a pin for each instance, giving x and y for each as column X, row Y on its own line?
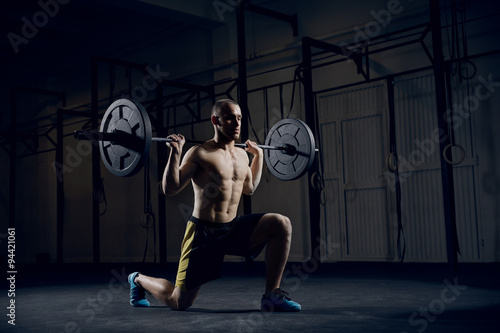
column 117, row 137
column 125, row 138
column 285, row 148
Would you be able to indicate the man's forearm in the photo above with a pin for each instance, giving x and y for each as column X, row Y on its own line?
column 171, row 177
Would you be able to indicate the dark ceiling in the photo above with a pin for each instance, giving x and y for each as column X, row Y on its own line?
column 68, row 34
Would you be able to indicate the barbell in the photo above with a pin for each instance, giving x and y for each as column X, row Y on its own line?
column 125, row 138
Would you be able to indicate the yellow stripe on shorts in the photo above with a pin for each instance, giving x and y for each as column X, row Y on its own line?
column 187, row 244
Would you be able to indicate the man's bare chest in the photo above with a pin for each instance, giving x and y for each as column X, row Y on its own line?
column 225, row 167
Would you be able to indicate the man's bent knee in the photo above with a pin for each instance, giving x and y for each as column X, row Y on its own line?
column 183, row 300
column 283, row 223
column 184, row 305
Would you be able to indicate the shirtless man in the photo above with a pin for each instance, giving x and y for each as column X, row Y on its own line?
column 219, row 173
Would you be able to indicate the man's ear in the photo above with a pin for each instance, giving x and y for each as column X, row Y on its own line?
column 215, row 120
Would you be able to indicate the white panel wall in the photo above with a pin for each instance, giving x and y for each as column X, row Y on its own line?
column 354, row 146
column 418, row 146
column 361, row 207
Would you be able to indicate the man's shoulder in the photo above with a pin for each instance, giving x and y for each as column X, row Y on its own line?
column 203, row 148
column 200, row 151
column 241, row 152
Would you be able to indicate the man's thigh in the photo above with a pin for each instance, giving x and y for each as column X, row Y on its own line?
column 263, row 230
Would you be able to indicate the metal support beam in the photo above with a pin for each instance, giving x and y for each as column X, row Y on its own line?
column 314, row 195
column 60, row 187
column 161, row 154
column 292, row 19
column 242, row 85
column 96, row 162
column 187, row 86
column 349, row 54
column 13, row 157
column 446, row 168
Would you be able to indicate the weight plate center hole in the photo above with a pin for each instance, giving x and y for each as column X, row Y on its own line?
column 281, row 154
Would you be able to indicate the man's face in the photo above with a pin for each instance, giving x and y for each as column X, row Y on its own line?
column 230, row 122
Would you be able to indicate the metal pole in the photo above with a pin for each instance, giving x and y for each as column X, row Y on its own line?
column 162, row 161
column 446, row 169
column 314, row 195
column 242, row 85
column 96, row 164
column 60, row 187
column 13, row 157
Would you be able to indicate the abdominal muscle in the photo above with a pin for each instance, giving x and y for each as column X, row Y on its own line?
column 216, row 203
column 218, row 184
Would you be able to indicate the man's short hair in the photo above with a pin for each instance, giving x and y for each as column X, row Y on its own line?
column 220, row 105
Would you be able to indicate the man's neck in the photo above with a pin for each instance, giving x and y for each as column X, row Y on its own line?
column 223, row 142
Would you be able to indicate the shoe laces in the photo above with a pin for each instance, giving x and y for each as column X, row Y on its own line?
column 281, row 294
column 137, row 291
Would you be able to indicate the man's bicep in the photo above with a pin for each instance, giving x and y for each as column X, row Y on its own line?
column 186, row 172
column 188, row 167
column 248, row 183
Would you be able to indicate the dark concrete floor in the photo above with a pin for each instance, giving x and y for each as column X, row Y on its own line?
column 335, row 298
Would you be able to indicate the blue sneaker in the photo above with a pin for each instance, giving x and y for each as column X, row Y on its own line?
column 278, row 301
column 137, row 294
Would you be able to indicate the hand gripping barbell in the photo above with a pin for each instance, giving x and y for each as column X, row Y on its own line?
column 125, row 139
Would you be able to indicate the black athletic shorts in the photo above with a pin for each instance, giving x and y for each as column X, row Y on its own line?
column 206, row 243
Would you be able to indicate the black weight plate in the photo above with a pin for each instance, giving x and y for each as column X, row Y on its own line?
column 126, row 155
column 285, row 166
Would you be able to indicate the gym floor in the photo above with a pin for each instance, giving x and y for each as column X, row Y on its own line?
column 342, row 297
